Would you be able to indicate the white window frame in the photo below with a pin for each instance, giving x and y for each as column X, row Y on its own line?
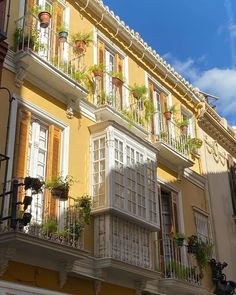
column 202, row 225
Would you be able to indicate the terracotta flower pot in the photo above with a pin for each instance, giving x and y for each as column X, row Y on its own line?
column 98, row 74
column 168, row 115
column 44, row 18
column 135, row 94
column 80, row 46
column 117, row 82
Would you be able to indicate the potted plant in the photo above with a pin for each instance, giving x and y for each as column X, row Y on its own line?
column 169, row 112
column 117, row 79
column 23, row 41
column 97, row 70
column 44, row 15
column 179, row 239
column 194, row 144
column 49, row 227
column 149, row 108
column 138, row 91
column 60, row 186
column 63, row 33
column 192, row 242
column 35, row 184
column 202, row 254
column 183, row 125
column 84, row 203
column 81, row 40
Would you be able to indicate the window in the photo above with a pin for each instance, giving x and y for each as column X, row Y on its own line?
column 159, row 98
column 130, row 177
column 112, row 61
column 99, row 172
column 201, row 222
column 38, row 155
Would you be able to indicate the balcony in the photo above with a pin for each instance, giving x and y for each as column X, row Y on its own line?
column 53, row 235
column 46, row 61
column 179, row 269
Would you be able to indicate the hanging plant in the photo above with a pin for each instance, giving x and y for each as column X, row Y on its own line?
column 149, row 109
column 63, row 33
column 179, row 239
column 60, row 186
column 81, row 41
column 44, row 15
column 35, row 184
column 138, row 91
column 169, row 112
column 117, row 79
column 97, row 70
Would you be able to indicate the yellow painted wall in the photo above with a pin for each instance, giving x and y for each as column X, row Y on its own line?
column 39, row 277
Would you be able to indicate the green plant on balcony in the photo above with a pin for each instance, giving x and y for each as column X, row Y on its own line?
column 138, row 91
column 24, row 40
column 133, row 117
column 81, row 41
column 202, row 251
column 175, row 269
column 117, row 78
column 169, row 112
column 149, row 108
column 97, row 70
column 194, row 144
column 60, row 186
column 183, row 125
column 179, row 239
column 49, row 227
column 84, row 204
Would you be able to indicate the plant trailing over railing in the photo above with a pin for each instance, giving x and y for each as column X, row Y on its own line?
column 194, row 144
column 149, row 108
column 202, row 251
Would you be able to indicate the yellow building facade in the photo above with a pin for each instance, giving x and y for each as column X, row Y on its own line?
column 108, row 128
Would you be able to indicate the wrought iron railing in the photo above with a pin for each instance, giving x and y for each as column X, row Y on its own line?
column 176, row 263
column 46, row 44
column 52, row 219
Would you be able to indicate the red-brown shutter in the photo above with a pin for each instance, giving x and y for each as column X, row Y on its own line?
column 53, row 167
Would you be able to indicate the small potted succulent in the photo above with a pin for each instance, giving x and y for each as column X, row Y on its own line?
column 179, row 239
column 44, row 15
column 117, row 79
column 33, row 183
column 97, row 70
column 63, row 33
column 138, row 91
column 60, row 186
column 169, row 112
column 81, row 41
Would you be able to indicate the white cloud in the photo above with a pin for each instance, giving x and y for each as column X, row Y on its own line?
column 215, row 81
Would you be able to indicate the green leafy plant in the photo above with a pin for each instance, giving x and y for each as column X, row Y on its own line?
column 83, row 37
column 118, row 75
column 39, row 8
column 180, row 271
column 99, row 67
column 149, row 109
column 179, row 239
column 50, row 226
column 138, row 91
column 84, row 203
column 25, row 39
column 195, row 143
column 183, row 122
column 62, row 28
column 171, row 109
column 60, row 186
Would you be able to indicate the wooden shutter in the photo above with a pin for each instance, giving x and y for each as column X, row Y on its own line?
column 232, row 180
column 57, row 22
column 101, row 60
column 53, row 167
column 163, row 102
column 22, row 142
column 119, row 68
column 151, row 96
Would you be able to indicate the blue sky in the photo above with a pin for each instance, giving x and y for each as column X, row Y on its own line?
column 197, row 37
